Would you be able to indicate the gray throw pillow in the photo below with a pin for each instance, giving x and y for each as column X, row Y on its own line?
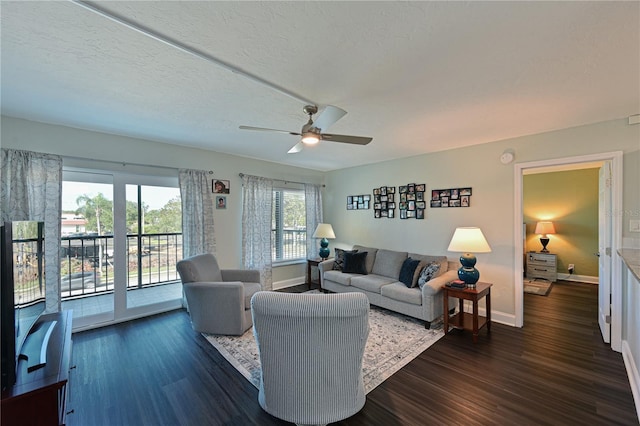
column 429, row 272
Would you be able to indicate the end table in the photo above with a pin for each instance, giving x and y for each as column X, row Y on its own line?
column 462, row 319
column 313, row 263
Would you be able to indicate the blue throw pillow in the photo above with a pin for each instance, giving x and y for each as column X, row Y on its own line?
column 406, row 272
column 429, row 272
column 355, row 263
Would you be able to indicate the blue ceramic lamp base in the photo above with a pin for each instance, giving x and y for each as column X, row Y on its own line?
column 468, row 273
column 324, row 248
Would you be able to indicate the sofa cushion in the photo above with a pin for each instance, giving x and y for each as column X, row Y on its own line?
column 371, row 283
column 407, row 271
column 388, row 263
column 398, row 291
column 371, row 257
column 355, row 263
column 428, row 273
column 442, row 260
column 338, row 260
column 338, row 277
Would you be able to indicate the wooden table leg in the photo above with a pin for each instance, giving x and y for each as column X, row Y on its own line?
column 461, row 313
column 488, row 301
column 445, row 315
column 475, row 320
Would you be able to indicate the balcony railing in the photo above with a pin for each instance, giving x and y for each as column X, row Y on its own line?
column 87, row 262
column 288, row 244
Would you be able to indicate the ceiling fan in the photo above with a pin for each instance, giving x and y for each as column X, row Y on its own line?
column 312, row 131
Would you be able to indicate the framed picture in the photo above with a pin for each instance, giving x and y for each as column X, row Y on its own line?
column 221, row 202
column 420, row 214
column 219, row 186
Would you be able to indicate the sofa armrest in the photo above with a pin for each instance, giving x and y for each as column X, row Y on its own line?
column 244, row 275
column 325, row 265
column 435, row 285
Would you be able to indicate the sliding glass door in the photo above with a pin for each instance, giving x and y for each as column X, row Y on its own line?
column 121, row 240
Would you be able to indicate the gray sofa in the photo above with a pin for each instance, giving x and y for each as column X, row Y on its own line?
column 382, row 286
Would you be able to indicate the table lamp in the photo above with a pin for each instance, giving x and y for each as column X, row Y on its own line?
column 468, row 240
column 544, row 228
column 324, row 231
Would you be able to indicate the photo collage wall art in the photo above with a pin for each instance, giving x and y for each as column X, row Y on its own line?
column 358, row 202
column 452, row 197
column 384, row 203
column 412, row 203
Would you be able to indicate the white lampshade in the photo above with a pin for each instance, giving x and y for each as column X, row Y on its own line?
column 543, row 228
column 469, row 240
column 324, row 230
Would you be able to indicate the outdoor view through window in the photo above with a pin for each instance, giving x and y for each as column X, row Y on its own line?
column 153, row 218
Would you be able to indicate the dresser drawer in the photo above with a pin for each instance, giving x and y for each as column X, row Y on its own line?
column 542, row 265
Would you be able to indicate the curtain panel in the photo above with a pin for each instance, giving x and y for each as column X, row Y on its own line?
column 257, row 200
column 313, row 206
column 197, row 213
column 31, row 189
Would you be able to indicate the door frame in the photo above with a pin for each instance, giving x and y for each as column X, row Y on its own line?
column 615, row 158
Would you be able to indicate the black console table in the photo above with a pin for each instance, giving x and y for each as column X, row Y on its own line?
column 39, row 396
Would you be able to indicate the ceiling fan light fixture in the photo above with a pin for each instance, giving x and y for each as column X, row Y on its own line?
column 310, row 138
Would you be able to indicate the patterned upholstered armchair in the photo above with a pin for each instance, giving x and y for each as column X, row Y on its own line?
column 219, row 300
column 311, row 348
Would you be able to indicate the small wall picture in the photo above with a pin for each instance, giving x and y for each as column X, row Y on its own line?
column 221, row 202
column 220, row 186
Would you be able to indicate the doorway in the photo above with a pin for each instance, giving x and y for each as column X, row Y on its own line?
column 614, row 297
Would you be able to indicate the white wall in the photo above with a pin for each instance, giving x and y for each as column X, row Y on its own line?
column 492, row 202
column 66, row 141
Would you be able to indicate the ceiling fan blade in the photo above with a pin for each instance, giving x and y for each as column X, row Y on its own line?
column 329, row 115
column 263, row 129
column 296, row 148
column 356, row 140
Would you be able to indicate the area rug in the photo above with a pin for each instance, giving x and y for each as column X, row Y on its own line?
column 540, row 288
column 394, row 340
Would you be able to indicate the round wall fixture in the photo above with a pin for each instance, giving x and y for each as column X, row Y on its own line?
column 506, row 157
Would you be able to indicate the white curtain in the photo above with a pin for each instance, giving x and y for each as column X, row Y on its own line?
column 313, row 206
column 197, row 213
column 257, row 202
column 31, row 189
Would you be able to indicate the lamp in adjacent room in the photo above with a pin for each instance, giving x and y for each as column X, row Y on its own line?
column 469, row 240
column 544, row 228
column 324, row 231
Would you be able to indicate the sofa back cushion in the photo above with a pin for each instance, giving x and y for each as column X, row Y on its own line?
column 388, row 263
column 371, row 256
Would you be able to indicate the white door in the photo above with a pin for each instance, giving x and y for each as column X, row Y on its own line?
column 604, row 251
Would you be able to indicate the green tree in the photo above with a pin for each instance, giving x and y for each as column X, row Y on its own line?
column 166, row 219
column 294, row 210
column 98, row 211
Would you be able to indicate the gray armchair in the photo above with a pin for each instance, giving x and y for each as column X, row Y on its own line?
column 311, row 348
column 219, row 300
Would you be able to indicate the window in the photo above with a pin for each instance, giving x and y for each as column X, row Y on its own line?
column 289, row 228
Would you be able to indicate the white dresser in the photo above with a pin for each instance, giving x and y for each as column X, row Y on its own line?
column 542, row 265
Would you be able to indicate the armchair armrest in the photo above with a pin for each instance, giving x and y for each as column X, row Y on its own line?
column 244, row 275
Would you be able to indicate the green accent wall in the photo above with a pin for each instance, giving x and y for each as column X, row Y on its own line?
column 570, row 200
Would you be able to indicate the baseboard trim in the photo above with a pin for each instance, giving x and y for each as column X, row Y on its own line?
column 288, row 283
column 632, row 372
column 578, row 278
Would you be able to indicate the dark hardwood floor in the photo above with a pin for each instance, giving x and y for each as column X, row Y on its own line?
column 554, row 371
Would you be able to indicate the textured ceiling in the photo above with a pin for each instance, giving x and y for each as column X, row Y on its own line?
column 418, row 77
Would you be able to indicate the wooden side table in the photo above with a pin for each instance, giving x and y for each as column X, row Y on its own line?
column 462, row 319
column 313, row 263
